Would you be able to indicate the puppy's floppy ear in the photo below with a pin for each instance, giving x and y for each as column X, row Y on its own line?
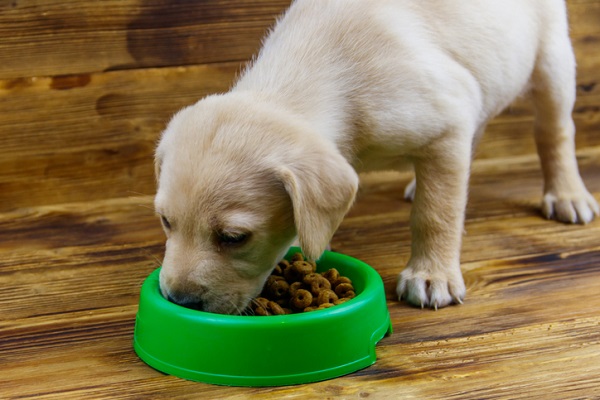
column 322, row 188
column 158, row 160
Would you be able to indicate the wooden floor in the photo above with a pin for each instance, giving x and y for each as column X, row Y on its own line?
column 80, row 111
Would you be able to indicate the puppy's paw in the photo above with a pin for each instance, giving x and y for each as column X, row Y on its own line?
column 409, row 191
column 422, row 288
column 579, row 208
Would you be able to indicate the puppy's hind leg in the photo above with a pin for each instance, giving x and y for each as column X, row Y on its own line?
column 409, row 190
column 565, row 197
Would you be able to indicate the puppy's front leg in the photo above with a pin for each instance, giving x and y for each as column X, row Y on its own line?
column 433, row 277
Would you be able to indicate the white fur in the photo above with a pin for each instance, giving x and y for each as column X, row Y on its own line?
column 343, row 86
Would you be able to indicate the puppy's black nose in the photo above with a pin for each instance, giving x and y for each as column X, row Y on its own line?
column 194, row 305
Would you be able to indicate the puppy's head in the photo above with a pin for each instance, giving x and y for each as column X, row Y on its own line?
column 237, row 184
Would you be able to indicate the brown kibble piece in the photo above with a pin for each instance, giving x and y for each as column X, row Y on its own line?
column 261, row 311
column 326, row 296
column 331, row 275
column 344, row 290
column 297, row 271
column 340, row 280
column 295, row 286
column 301, row 299
column 275, row 308
column 316, row 282
column 277, row 288
column 341, row 300
column 325, row 305
column 261, row 302
column 283, row 302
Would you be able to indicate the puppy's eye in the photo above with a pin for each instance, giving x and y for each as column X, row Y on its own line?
column 230, row 238
column 165, row 222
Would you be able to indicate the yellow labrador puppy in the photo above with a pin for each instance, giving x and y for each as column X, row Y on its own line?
column 343, row 86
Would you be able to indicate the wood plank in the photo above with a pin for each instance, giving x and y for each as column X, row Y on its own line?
column 106, row 125
column 75, row 245
column 529, row 329
column 103, row 126
column 50, row 37
column 583, row 17
column 56, row 132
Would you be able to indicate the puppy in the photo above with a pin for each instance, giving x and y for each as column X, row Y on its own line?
column 344, row 86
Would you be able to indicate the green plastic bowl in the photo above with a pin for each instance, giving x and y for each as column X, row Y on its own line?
column 265, row 351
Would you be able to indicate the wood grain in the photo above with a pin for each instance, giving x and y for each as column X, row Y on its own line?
column 53, row 37
column 85, row 91
column 58, row 132
column 71, row 275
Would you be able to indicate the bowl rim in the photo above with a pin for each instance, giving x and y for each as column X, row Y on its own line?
column 370, row 276
column 362, row 357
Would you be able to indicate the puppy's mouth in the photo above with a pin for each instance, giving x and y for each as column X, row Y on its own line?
column 228, row 305
column 193, row 305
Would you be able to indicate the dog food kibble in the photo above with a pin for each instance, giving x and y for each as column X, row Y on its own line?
column 275, row 308
column 276, row 287
column 327, row 296
column 298, row 270
column 301, row 299
column 331, row 275
column 345, row 290
column 297, row 257
column 316, row 282
column 294, row 286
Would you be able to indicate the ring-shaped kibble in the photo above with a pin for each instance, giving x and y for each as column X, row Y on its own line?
column 340, row 280
column 277, row 271
column 316, row 282
column 273, row 278
column 295, row 286
column 297, row 271
column 260, row 302
column 261, row 311
column 331, row 275
column 275, row 308
column 301, row 299
column 325, row 305
column 277, row 289
column 283, row 264
column 306, row 267
column 341, row 300
column 283, row 302
column 343, row 289
column 327, row 296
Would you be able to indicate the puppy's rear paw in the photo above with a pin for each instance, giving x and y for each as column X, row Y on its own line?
column 580, row 208
column 409, row 191
column 436, row 290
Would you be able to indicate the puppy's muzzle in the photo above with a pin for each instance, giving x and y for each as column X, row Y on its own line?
column 187, row 297
column 195, row 305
